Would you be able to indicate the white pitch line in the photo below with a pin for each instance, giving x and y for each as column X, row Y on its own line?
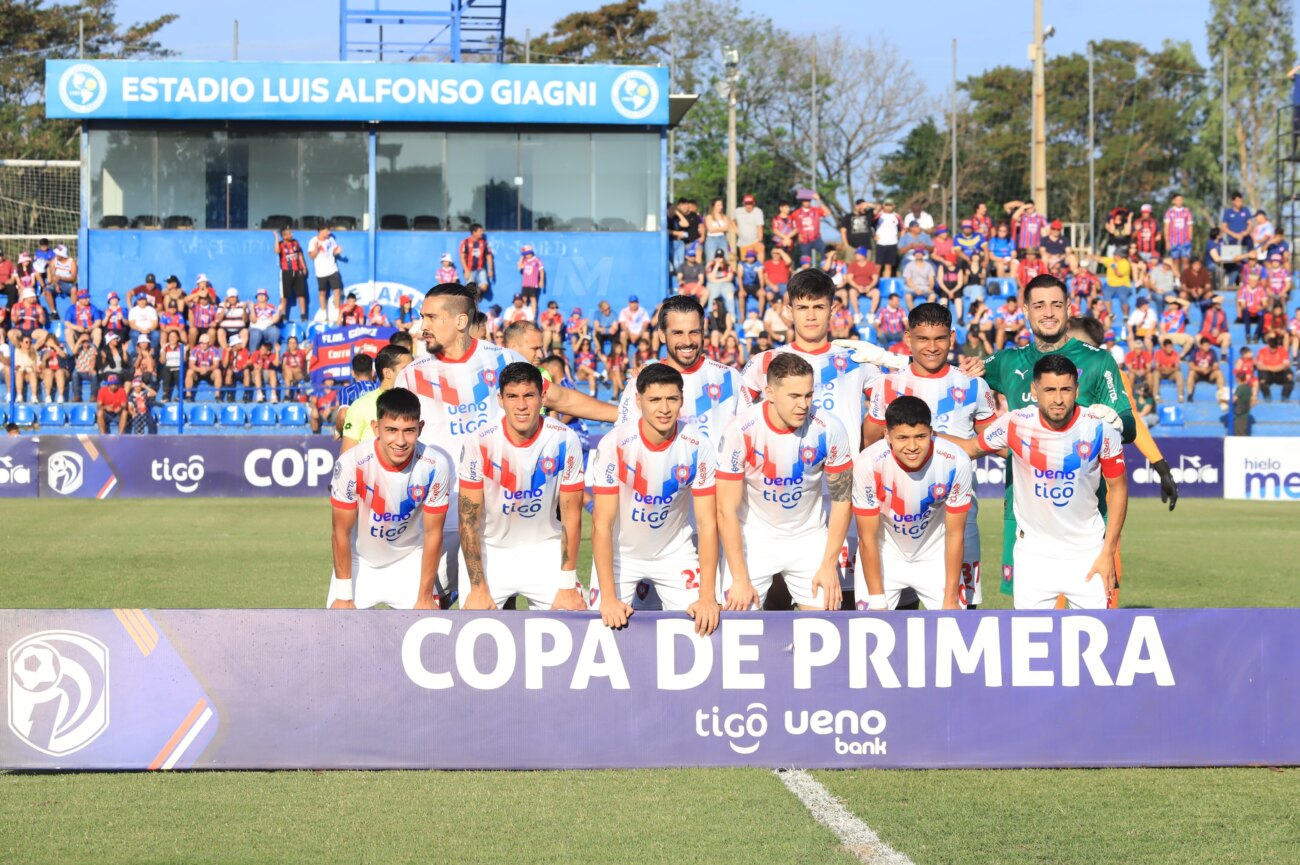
column 856, row 836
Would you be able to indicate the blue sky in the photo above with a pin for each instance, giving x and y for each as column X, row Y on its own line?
column 989, row 32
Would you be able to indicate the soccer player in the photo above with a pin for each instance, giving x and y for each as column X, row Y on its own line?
column 455, row 382
column 641, row 527
column 513, row 475
column 959, row 406
column 389, row 502
column 1059, row 454
column 1009, row 373
column 771, row 462
column 900, row 486
column 842, row 376
column 390, row 361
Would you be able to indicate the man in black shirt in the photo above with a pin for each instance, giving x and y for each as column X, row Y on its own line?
column 856, row 225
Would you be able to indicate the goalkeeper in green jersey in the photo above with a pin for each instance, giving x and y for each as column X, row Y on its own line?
column 1010, row 372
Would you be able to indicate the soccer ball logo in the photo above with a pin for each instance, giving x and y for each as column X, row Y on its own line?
column 65, row 472
column 635, row 94
column 548, row 465
column 58, row 690
column 82, row 88
column 808, row 454
column 1083, row 449
column 682, row 473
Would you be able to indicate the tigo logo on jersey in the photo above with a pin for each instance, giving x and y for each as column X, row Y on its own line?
column 82, row 88
column 58, row 690
column 65, row 472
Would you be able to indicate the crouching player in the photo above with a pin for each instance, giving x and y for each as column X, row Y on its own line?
column 513, row 474
column 389, row 503
column 1058, row 454
column 911, row 496
column 771, row 461
column 641, row 475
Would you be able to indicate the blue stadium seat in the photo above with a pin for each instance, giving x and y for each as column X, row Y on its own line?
column 293, row 329
column 973, row 292
column 56, row 328
column 293, row 414
column 52, row 415
column 203, row 416
column 82, row 415
column 4, row 418
column 24, row 415
column 169, row 415
column 233, row 416
column 891, row 285
column 264, row 415
column 1171, row 414
column 1001, row 285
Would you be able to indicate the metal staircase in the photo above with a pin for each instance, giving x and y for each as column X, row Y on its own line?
column 451, row 31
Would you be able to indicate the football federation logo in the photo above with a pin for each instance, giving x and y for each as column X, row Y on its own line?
column 58, row 690
column 635, row 94
column 938, row 491
column 1083, row 449
column 65, row 472
column 82, row 88
column 548, row 465
column 682, row 473
column 808, row 454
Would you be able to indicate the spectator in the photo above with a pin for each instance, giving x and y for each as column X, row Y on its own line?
column 171, row 319
column 84, row 371
column 27, row 319
column 856, row 226
column 1277, row 279
column 139, row 407
column 632, row 322
column 617, row 366
column 552, row 324
column 891, row 323
column 753, row 281
column 174, row 293
column 110, row 405
column 60, row 279
column 173, row 360
column 145, row 365
column 363, row 381
column 532, row 275
column 717, row 227
column 690, row 278
column 1214, row 325
column 143, row 321
column 1119, row 277
column 748, row 222
column 237, row 365
column 841, row 325
column 914, row 240
column 1234, row 228
column 1178, row 233
column 721, row 282
column 1161, row 279
column 1246, row 364
column 975, row 344
column 584, row 361
column 1146, row 235
column 1279, row 246
column 204, row 316
column 1031, row 265
column 1173, row 325
column 350, row 314
column 575, row 329
column 949, row 283
column 26, row 369
column 1054, row 246
column 918, row 276
column 863, row 278
column 1167, row 365
column 54, row 376
column 1002, row 251
column 1293, row 330
column 1261, row 232
column 777, row 321
column 776, row 273
column 233, row 319
column 264, row 318
column 202, row 287
column 968, row 242
column 889, row 227
column 324, row 252
column 1275, row 322
column 1027, row 224
column 205, row 365
column 9, row 279
column 1250, row 308
column 1138, row 361
column 42, row 258
column 518, row 311
column 406, row 314
column 446, row 270
column 321, row 407
column 293, row 365
column 679, row 233
column 1142, row 322
column 266, row 378
column 1243, row 400
column 1196, row 283
column 148, row 288
column 784, row 231
column 808, row 224
column 23, row 277
column 721, row 323
column 293, row 273
column 1204, row 366
column 1145, row 403
column 732, row 354
column 918, row 217
column 981, row 321
column 1273, row 366
column 83, row 318
column 376, row 317
column 751, row 327
column 943, row 249
column 1010, row 320
column 607, row 329
column 981, row 222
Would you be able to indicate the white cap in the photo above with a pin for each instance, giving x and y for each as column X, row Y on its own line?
column 446, row 256
column 28, row 292
column 144, row 340
column 61, row 250
column 203, row 277
column 232, row 292
column 1146, row 207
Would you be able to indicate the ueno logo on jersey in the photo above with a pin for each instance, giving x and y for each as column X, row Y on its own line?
column 185, row 474
column 65, row 472
column 58, row 690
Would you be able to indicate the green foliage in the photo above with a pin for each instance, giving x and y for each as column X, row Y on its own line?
column 33, row 31
column 921, row 160
column 615, row 33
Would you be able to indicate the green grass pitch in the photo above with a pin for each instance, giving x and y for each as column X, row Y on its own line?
column 241, row 553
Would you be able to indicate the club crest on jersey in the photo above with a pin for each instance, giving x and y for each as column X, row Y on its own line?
column 489, row 377
column 841, row 362
column 682, row 473
column 938, row 491
column 808, row 454
column 418, row 493
column 714, row 391
column 958, row 394
column 1083, row 449
column 548, row 465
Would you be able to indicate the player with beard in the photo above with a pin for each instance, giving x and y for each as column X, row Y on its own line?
column 1010, row 373
column 959, row 406
column 456, row 383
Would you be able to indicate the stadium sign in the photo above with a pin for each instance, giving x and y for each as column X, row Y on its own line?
column 399, row 92
column 839, row 690
column 1261, row 469
column 18, row 468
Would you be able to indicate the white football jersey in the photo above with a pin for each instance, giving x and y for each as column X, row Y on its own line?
column 783, row 469
column 712, row 396
column 841, row 382
column 654, row 509
column 1056, row 474
column 390, row 499
column 957, row 402
column 522, row 483
column 912, row 504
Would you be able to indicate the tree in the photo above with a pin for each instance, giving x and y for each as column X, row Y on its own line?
column 33, row 31
column 615, row 33
column 919, row 162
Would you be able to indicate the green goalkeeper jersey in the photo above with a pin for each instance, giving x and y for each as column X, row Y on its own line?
column 1010, row 372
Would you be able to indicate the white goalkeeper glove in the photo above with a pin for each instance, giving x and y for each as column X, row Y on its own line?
column 1106, row 415
column 866, row 352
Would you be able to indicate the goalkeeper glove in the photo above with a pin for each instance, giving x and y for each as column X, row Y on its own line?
column 1106, row 415
column 1168, row 489
column 866, row 352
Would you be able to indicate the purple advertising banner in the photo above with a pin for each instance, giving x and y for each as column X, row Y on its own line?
column 334, row 348
column 101, row 467
column 242, row 689
column 18, row 468
column 1196, row 464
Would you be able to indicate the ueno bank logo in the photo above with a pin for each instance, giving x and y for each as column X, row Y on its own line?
column 635, row 94
column 65, row 471
column 82, row 88
column 853, row 733
column 58, row 690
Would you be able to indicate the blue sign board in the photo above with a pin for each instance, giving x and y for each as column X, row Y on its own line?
column 425, row 92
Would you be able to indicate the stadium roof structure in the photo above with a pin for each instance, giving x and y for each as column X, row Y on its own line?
column 401, row 30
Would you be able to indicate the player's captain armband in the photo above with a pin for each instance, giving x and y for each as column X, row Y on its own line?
column 1113, row 467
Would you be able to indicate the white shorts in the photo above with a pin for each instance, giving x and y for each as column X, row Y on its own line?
column 972, row 588
column 926, row 577
column 1040, row 578
column 797, row 558
column 674, row 581
column 531, row 570
column 396, row 584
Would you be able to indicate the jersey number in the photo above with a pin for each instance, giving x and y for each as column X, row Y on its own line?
column 970, row 578
column 692, row 577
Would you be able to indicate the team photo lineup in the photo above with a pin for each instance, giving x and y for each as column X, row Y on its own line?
column 826, row 474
